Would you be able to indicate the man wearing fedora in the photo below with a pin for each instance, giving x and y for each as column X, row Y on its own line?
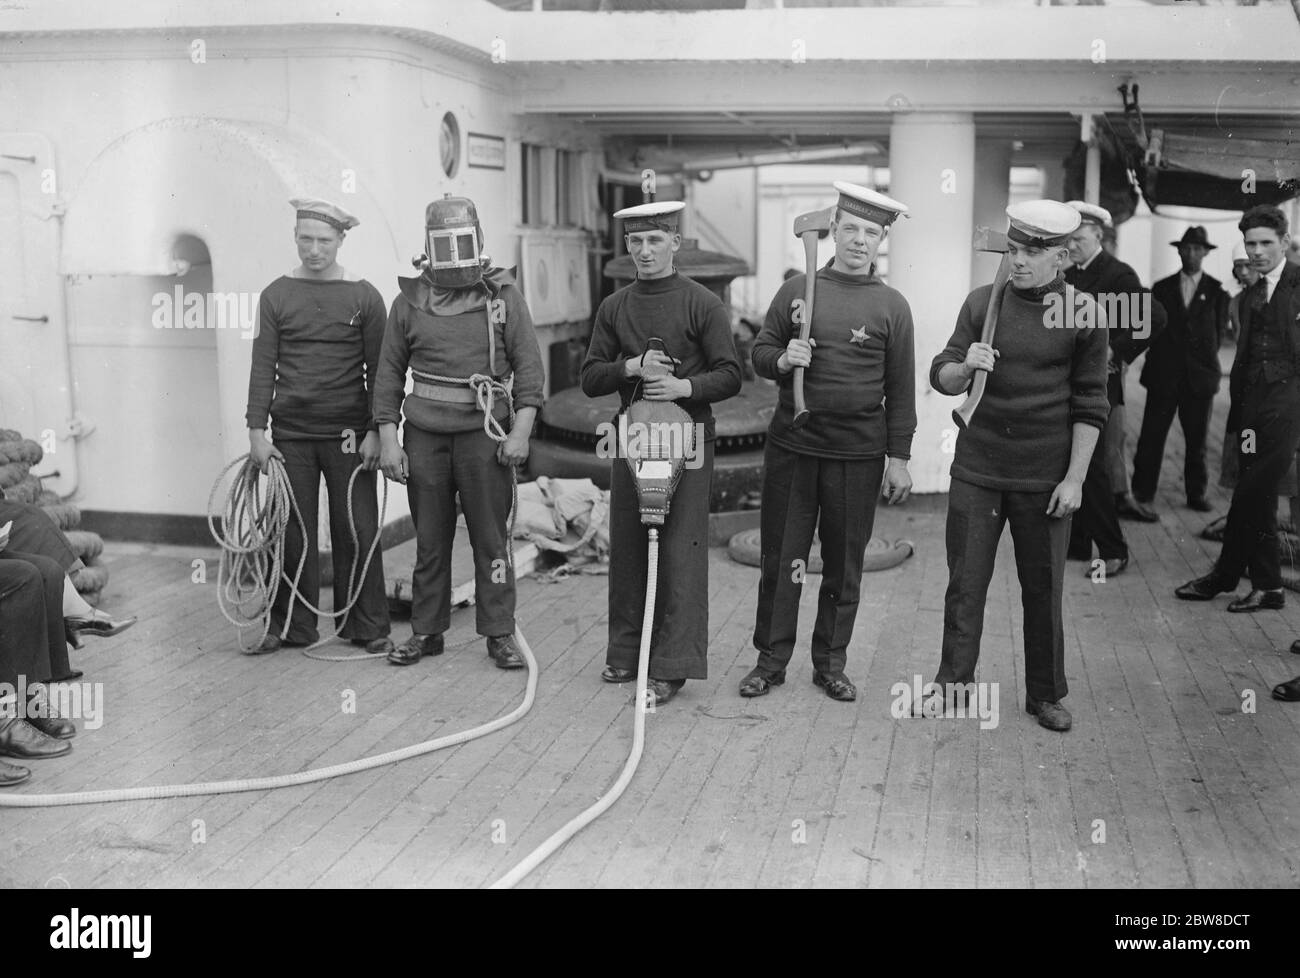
column 1182, row 371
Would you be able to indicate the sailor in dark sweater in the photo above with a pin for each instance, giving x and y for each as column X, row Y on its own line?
column 463, row 329
column 700, row 368
column 860, row 390
column 1025, row 454
column 313, row 371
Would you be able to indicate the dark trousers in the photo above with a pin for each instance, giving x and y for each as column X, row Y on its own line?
column 976, row 517
column 1194, row 418
column 32, row 640
column 305, row 462
column 837, row 498
column 1272, row 412
column 34, row 532
column 679, row 643
column 1096, row 521
column 441, row 466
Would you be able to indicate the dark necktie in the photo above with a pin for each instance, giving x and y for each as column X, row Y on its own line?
column 1259, row 294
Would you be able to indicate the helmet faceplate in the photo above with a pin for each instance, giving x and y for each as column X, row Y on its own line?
column 452, row 237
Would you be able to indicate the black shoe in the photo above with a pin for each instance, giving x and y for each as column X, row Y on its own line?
column 18, row 738
column 54, row 727
column 99, row 623
column 414, row 648
column 1288, row 691
column 375, row 646
column 613, row 674
column 504, row 652
column 12, row 774
column 1051, row 714
column 1295, row 647
column 1201, row 505
column 1260, row 601
column 759, row 682
column 273, row 643
column 837, row 686
column 1132, row 508
column 1203, row 588
column 662, row 690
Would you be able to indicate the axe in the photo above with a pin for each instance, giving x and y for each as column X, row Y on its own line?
column 994, row 241
column 808, row 227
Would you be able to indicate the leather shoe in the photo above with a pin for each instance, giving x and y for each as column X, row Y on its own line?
column 1260, row 601
column 1295, row 647
column 1203, row 588
column 837, row 686
column 1114, row 567
column 662, row 690
column 1131, row 508
column 18, row 738
column 375, row 646
column 504, row 652
column 1288, row 691
column 759, row 682
column 1201, row 505
column 99, row 623
column 55, row 727
column 12, row 774
column 613, row 674
column 1051, row 714
column 414, row 648
column 272, row 643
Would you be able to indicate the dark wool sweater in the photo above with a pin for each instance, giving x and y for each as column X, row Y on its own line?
column 695, row 328
column 1045, row 381
column 861, row 386
column 456, row 346
column 314, row 357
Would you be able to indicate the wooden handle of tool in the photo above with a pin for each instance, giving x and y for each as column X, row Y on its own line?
column 963, row 414
column 805, row 327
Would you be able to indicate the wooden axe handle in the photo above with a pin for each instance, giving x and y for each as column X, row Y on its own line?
column 805, row 328
column 963, row 414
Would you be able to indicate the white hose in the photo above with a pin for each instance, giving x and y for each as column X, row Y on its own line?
column 286, row 780
column 575, row 825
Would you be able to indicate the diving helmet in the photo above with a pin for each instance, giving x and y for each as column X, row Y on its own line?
column 453, row 240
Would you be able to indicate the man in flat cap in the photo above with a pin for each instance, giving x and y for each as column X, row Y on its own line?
column 313, row 373
column 1024, row 457
column 1265, row 385
column 1118, row 290
column 463, row 329
column 1182, row 371
column 698, row 369
column 860, row 390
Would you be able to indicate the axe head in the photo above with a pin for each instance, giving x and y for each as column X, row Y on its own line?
column 986, row 239
column 818, row 221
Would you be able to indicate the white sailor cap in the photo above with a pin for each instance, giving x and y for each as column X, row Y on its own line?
column 661, row 215
column 1041, row 223
column 869, row 204
column 1091, row 213
column 316, row 209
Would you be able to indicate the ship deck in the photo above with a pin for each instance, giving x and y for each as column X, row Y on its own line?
column 1165, row 781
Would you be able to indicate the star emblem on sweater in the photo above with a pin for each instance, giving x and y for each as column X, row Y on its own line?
column 859, row 336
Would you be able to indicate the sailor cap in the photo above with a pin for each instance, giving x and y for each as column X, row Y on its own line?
column 660, row 215
column 1041, row 223
column 315, row 209
column 870, row 204
column 1091, row 213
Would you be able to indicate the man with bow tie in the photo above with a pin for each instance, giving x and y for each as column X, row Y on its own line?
column 1182, row 371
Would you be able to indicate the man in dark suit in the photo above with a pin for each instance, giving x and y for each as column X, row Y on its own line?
column 1127, row 305
column 1265, row 384
column 1182, row 371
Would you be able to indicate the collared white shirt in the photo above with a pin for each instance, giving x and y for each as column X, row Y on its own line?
column 1188, row 283
column 1272, row 278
